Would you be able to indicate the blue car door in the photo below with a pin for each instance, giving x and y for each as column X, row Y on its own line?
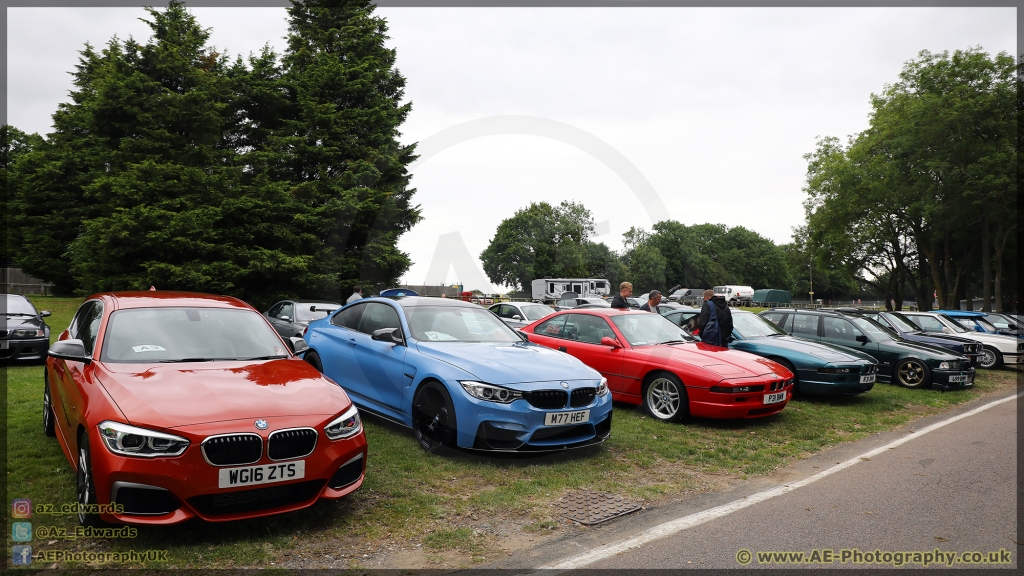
column 380, row 365
column 338, row 354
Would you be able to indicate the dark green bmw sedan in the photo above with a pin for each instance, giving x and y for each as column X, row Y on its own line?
column 900, row 361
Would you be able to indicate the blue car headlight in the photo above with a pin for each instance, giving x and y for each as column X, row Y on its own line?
column 490, row 392
column 602, row 388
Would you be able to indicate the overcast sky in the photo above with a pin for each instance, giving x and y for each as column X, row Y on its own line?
column 714, row 106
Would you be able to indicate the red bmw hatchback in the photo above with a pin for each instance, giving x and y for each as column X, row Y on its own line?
column 172, row 405
column 649, row 360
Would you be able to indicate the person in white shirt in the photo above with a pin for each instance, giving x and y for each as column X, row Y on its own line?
column 357, row 293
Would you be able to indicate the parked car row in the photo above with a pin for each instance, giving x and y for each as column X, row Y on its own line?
column 173, row 405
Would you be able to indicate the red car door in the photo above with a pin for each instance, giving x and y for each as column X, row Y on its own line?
column 580, row 335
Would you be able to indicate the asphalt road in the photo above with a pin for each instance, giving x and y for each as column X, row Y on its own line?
column 953, row 489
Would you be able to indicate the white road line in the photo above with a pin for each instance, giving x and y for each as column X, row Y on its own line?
column 680, row 524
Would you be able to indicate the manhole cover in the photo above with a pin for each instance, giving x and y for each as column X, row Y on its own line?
column 589, row 507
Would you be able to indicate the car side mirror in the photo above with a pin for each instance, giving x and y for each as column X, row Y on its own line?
column 285, row 318
column 44, row 314
column 298, row 345
column 862, row 339
column 609, row 341
column 517, row 317
column 71, row 349
column 390, row 335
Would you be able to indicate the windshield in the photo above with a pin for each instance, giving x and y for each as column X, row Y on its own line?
column 901, row 322
column 750, row 325
column 648, row 329
column 19, row 305
column 986, row 324
column 458, row 324
column 536, row 311
column 143, row 335
column 304, row 312
column 873, row 330
column 1002, row 322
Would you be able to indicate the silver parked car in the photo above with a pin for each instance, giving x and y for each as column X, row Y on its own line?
column 519, row 314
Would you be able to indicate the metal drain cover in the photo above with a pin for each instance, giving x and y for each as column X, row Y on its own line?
column 590, row 507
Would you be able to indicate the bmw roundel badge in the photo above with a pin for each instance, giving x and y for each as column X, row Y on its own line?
column 565, row 385
column 261, row 424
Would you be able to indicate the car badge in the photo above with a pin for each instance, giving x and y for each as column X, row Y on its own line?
column 261, row 424
column 565, row 385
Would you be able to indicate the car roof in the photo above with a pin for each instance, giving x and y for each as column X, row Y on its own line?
column 168, row 298
column 414, row 301
column 961, row 313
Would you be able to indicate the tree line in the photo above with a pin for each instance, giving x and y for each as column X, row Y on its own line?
column 923, row 203
column 542, row 240
column 261, row 177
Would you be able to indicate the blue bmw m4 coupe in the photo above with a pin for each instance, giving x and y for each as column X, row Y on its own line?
column 459, row 376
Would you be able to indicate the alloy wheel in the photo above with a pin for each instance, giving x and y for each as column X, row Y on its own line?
column 912, row 373
column 663, row 398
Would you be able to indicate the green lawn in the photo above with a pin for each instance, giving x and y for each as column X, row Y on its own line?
column 410, row 495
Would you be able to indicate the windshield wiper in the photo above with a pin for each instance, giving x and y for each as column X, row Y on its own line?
column 676, row 342
column 187, row 360
column 18, row 314
column 273, row 357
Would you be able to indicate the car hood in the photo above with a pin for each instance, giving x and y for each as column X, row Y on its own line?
column 927, row 337
column 1001, row 342
column 172, row 395
column 920, row 349
column 721, row 361
column 24, row 323
column 783, row 345
column 508, row 364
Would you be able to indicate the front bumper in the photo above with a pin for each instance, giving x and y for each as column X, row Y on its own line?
column 824, row 384
column 952, row 379
column 519, row 426
column 708, row 404
column 173, row 490
column 1011, row 357
column 27, row 350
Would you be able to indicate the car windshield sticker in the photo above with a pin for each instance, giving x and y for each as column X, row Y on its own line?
column 438, row 335
column 149, row 348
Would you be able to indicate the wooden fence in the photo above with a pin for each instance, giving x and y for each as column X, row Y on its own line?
column 17, row 282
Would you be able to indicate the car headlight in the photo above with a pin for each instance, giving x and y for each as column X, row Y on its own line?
column 348, row 424
column 944, row 366
column 602, row 388
column 27, row 334
column 132, row 441
column 490, row 393
column 833, row 370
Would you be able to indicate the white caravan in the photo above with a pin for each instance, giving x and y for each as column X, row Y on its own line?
column 553, row 288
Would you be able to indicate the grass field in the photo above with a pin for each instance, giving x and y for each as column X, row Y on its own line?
column 410, row 496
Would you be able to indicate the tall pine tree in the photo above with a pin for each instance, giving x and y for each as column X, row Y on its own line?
column 340, row 147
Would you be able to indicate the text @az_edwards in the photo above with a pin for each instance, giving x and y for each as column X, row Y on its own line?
column 856, row 556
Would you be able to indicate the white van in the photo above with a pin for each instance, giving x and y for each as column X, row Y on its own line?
column 735, row 294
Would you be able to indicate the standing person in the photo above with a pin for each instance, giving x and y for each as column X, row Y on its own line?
column 357, row 293
column 625, row 291
column 715, row 322
column 653, row 299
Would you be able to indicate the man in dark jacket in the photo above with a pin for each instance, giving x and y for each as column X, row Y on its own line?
column 653, row 299
column 720, row 319
column 625, row 291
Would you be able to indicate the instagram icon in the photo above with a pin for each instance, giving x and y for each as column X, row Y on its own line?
column 21, row 508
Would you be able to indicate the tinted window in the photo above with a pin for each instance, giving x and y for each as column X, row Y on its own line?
column 349, row 317
column 927, row 323
column 275, row 310
column 804, row 325
column 87, row 323
column 773, row 316
column 840, row 329
column 377, row 316
column 552, row 328
column 899, row 321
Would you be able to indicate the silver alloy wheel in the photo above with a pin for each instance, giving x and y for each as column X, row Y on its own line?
column 84, row 483
column 663, row 398
column 988, row 358
column 911, row 373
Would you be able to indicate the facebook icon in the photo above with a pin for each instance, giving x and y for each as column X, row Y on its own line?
column 21, row 555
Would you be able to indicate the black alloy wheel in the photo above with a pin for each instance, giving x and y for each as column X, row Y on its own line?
column 314, row 359
column 433, row 417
